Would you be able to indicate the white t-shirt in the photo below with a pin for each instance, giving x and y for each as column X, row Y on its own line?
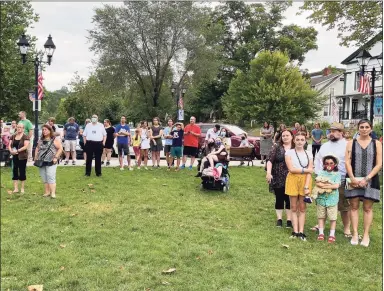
column 304, row 160
column 211, row 134
column 94, row 132
column 336, row 148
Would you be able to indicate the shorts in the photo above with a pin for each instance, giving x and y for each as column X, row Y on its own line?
column 324, row 212
column 176, row 152
column 167, row 149
column 122, row 147
column 157, row 147
column 343, row 204
column 294, row 184
column 190, row 151
column 70, row 145
column 136, row 150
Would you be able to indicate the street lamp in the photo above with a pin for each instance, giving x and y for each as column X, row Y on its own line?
column 363, row 59
column 340, row 103
column 49, row 47
column 176, row 90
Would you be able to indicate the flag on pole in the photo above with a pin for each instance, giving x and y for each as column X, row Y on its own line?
column 335, row 111
column 40, row 88
column 181, row 102
column 365, row 83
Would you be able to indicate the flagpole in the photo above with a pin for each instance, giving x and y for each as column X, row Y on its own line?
column 372, row 96
column 36, row 137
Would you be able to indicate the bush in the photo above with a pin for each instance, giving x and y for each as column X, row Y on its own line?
column 378, row 128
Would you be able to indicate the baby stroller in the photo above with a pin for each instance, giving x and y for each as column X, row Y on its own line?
column 210, row 181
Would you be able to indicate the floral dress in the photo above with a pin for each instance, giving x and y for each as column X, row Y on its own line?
column 279, row 167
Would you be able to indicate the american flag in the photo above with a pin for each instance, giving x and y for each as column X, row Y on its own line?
column 335, row 112
column 181, row 102
column 365, row 83
column 40, row 89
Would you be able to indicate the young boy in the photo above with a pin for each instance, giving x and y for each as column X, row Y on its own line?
column 177, row 143
column 327, row 202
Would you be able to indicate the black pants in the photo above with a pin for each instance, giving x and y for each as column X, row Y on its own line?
column 281, row 197
column 315, row 149
column 19, row 169
column 93, row 148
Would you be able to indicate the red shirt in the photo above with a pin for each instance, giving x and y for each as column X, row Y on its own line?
column 189, row 139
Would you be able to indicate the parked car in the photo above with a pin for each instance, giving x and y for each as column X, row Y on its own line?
column 235, row 132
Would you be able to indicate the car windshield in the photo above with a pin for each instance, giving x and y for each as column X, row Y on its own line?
column 204, row 128
column 235, row 129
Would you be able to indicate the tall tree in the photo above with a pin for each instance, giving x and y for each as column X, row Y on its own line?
column 139, row 42
column 356, row 21
column 272, row 90
column 16, row 79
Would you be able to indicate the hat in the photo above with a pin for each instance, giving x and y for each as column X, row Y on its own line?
column 337, row 126
column 331, row 156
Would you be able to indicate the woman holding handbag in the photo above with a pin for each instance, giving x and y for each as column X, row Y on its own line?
column 47, row 155
column 18, row 148
column 363, row 161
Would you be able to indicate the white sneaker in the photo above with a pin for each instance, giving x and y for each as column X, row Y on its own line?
column 138, row 168
column 121, row 169
column 130, row 168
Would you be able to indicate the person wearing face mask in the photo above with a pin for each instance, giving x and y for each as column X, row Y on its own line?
column 219, row 155
column 336, row 145
column 226, row 139
column 94, row 136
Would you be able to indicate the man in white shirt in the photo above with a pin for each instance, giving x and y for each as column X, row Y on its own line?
column 94, row 136
column 337, row 146
column 212, row 133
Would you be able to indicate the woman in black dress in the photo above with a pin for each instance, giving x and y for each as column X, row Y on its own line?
column 277, row 172
column 107, row 152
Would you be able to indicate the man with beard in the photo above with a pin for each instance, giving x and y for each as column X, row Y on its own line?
column 337, row 147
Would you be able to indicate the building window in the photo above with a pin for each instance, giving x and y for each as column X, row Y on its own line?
column 326, row 110
column 357, row 80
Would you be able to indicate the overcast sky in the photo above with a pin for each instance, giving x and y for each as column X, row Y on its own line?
column 68, row 23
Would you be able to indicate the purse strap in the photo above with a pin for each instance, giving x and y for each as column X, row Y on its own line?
column 46, row 151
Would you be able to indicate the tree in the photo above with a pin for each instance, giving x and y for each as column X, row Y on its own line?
column 356, row 21
column 16, row 79
column 273, row 90
column 138, row 42
column 51, row 102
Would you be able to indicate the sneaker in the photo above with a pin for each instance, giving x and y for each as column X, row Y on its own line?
column 138, row 168
column 262, row 162
column 102, row 163
column 130, row 168
column 169, row 168
column 107, row 163
column 198, row 174
column 190, row 168
column 85, row 163
column 177, row 169
column 122, row 169
column 302, row 236
column 65, row 163
column 289, row 224
column 73, row 163
column 294, row 235
column 158, row 166
column 182, row 167
column 307, row 199
column 279, row 223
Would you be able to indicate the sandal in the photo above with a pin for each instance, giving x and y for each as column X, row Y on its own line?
column 348, row 235
column 320, row 237
column 331, row 239
column 315, row 228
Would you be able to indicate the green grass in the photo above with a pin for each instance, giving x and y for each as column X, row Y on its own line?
column 137, row 224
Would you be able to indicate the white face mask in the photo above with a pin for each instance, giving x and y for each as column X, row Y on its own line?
column 94, row 119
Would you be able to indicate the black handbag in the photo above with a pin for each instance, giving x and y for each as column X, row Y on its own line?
column 40, row 162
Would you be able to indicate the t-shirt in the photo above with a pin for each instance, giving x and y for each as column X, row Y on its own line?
column 329, row 199
column 189, row 139
column 27, row 125
column 94, row 132
column 304, row 158
column 136, row 142
column 177, row 140
column 166, row 131
column 317, row 133
column 110, row 138
column 211, row 134
column 71, row 131
column 244, row 143
column 124, row 139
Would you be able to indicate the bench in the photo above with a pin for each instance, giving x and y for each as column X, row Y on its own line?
column 246, row 154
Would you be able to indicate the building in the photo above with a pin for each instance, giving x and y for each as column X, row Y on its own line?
column 352, row 104
column 330, row 85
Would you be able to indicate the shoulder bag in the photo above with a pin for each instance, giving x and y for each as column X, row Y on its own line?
column 39, row 163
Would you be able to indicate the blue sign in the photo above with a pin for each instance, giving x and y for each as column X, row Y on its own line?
column 378, row 106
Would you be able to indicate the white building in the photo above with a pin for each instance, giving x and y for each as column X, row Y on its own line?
column 355, row 105
column 329, row 85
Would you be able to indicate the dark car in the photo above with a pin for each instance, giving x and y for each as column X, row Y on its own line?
column 234, row 132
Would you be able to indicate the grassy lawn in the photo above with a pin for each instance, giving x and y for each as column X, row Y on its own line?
column 123, row 233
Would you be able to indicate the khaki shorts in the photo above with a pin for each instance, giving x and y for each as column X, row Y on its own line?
column 323, row 212
column 343, row 205
column 70, row 145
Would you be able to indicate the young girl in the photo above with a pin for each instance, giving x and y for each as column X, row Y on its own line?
column 136, row 141
column 144, row 145
column 327, row 202
column 298, row 183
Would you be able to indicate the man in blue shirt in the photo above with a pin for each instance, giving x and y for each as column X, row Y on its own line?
column 71, row 130
column 168, row 142
column 317, row 136
column 177, row 143
column 123, row 133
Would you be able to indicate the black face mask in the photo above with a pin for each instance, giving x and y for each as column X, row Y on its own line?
column 243, row 137
column 211, row 144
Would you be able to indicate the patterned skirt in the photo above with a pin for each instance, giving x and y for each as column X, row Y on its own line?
column 265, row 146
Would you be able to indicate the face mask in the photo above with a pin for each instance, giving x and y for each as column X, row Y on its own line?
column 243, row 137
column 211, row 144
column 222, row 134
column 329, row 168
column 94, row 119
column 218, row 143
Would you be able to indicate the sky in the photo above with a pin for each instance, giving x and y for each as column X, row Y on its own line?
column 69, row 22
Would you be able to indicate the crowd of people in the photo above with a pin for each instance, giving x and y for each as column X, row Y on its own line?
column 346, row 171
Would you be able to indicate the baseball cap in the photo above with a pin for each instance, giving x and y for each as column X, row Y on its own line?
column 337, row 126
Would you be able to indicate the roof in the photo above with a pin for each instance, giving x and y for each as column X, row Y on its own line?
column 318, row 80
column 368, row 45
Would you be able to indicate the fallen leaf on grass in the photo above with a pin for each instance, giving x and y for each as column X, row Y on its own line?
column 9, row 200
column 165, row 185
column 169, row 271
column 62, row 268
column 35, row 288
column 9, row 192
column 165, row 283
column 198, row 258
column 285, row 246
column 62, row 246
column 2, row 186
column 210, row 252
column 73, row 214
column 121, row 268
column 90, row 186
column 310, row 273
column 147, row 289
column 93, row 191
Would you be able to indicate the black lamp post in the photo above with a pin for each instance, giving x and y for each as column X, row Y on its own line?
column 363, row 59
column 340, row 103
column 49, row 50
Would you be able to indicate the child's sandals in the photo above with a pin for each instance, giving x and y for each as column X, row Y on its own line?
column 331, row 239
column 320, row 237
